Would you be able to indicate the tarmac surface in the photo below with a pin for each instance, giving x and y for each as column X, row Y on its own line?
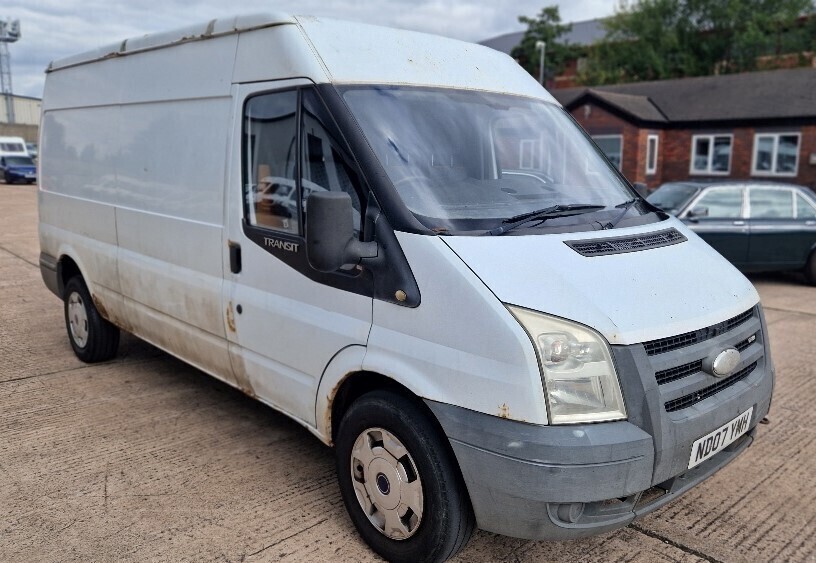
column 145, row 458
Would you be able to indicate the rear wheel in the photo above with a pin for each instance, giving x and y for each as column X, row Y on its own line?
column 810, row 269
column 93, row 338
column 399, row 481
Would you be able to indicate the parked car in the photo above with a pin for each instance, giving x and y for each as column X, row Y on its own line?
column 18, row 169
column 758, row 226
column 32, row 149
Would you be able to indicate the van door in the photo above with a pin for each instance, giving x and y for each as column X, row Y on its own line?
column 284, row 320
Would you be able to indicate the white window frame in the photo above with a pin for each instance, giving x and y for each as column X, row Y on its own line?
column 620, row 138
column 527, row 148
column 708, row 171
column 775, row 154
column 652, row 170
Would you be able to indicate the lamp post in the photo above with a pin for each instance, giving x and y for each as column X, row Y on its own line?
column 543, row 46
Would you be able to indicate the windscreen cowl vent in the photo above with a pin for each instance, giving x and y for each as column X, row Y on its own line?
column 621, row 245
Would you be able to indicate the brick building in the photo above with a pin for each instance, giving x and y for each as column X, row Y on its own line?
column 758, row 125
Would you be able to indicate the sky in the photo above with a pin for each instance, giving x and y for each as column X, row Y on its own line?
column 53, row 29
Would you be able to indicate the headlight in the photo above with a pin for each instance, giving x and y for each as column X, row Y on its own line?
column 576, row 364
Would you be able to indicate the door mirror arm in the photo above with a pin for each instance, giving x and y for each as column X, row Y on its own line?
column 331, row 244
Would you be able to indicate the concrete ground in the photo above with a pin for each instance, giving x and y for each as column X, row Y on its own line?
column 145, row 458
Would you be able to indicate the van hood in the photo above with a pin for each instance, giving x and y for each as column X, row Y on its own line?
column 628, row 297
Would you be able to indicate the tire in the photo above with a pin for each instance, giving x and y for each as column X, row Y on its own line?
column 93, row 338
column 387, row 444
column 810, row 269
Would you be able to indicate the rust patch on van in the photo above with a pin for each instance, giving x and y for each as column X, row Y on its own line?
column 504, row 411
column 100, row 307
column 230, row 318
column 241, row 376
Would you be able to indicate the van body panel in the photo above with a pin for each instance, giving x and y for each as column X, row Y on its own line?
column 200, row 69
column 480, row 359
column 276, row 53
column 193, row 33
column 610, row 293
column 409, row 57
column 346, row 362
column 185, row 287
column 83, row 230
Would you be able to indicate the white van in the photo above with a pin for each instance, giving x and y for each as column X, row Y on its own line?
column 405, row 244
column 13, row 146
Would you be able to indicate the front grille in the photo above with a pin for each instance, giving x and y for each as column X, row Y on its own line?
column 663, row 345
column 679, row 372
column 694, row 398
column 620, row 245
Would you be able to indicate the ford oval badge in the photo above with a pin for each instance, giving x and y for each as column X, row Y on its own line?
column 725, row 362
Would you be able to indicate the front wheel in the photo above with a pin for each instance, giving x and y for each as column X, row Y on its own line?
column 93, row 338
column 399, row 481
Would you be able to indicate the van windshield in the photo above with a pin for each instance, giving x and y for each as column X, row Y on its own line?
column 463, row 160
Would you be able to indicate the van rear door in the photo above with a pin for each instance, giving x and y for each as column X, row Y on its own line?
column 285, row 321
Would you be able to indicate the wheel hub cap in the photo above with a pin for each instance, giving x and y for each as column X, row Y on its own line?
column 78, row 319
column 387, row 484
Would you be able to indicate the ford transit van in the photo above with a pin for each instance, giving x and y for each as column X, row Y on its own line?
column 404, row 243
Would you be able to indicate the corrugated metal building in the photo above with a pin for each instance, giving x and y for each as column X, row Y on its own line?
column 26, row 110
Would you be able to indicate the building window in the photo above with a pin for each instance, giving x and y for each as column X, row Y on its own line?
column 612, row 147
column 711, row 154
column 776, row 154
column 651, row 154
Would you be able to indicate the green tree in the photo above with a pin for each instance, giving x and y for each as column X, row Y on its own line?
column 545, row 27
column 658, row 39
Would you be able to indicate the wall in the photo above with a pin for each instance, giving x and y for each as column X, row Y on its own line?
column 597, row 121
column 27, row 132
column 674, row 149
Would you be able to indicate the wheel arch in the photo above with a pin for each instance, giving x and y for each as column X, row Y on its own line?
column 67, row 268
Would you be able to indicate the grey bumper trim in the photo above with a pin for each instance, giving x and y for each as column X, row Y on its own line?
column 49, row 273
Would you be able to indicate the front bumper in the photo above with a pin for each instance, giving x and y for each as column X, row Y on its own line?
column 564, row 482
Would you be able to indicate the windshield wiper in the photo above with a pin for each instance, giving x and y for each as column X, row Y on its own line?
column 542, row 215
column 625, row 205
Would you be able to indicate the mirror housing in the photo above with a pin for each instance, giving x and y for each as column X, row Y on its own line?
column 641, row 188
column 330, row 240
column 698, row 211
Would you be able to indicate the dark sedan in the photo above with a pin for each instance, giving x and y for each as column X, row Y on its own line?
column 18, row 169
column 758, row 226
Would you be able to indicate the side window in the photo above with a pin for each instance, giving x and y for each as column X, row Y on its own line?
column 270, row 158
column 804, row 210
column 721, row 203
column 771, row 204
column 326, row 164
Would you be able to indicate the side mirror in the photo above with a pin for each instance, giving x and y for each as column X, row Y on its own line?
column 641, row 188
column 330, row 240
column 699, row 211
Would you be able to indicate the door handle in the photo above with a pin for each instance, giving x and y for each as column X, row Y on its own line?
column 234, row 256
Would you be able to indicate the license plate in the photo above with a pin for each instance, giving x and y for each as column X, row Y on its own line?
column 30, row 175
column 716, row 441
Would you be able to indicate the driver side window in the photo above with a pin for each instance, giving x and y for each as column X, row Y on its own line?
column 270, row 155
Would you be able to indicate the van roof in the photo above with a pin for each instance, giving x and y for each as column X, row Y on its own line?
column 336, row 51
column 196, row 32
